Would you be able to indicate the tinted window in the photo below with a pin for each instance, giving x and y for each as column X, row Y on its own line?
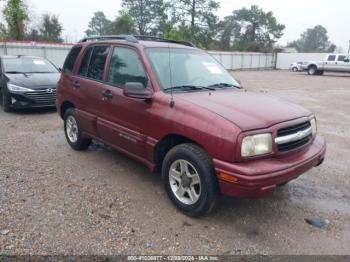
column 94, row 61
column 331, row 58
column 85, row 63
column 126, row 67
column 71, row 58
column 341, row 58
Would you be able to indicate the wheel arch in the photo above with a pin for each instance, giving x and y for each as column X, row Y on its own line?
column 65, row 105
column 312, row 65
column 166, row 144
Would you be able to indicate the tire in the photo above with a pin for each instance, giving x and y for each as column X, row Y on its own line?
column 6, row 101
column 73, row 132
column 200, row 181
column 312, row 70
column 295, row 69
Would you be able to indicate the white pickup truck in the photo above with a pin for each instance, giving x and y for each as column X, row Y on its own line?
column 332, row 63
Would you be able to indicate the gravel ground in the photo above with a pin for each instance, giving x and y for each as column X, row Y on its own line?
column 54, row 200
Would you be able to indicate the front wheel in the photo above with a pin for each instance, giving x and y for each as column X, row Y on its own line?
column 73, row 132
column 189, row 179
column 6, row 101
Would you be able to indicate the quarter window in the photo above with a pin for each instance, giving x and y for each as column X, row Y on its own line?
column 71, row 58
column 126, row 67
column 93, row 63
column 331, row 58
column 341, row 58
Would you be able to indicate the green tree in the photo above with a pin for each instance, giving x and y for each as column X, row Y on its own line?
column 314, row 40
column 99, row 25
column 51, row 29
column 16, row 17
column 229, row 30
column 123, row 24
column 259, row 30
column 196, row 21
column 147, row 14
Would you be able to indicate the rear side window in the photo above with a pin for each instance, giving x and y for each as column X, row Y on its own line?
column 331, row 58
column 71, row 58
column 126, row 67
column 94, row 61
column 341, row 58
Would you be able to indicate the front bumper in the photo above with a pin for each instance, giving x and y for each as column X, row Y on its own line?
column 260, row 177
column 36, row 99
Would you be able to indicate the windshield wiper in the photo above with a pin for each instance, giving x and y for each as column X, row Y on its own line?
column 188, row 87
column 14, row 72
column 38, row 72
column 223, row 85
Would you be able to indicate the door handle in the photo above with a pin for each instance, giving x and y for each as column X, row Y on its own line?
column 76, row 85
column 107, row 94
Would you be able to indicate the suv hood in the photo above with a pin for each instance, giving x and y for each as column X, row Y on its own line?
column 34, row 81
column 247, row 110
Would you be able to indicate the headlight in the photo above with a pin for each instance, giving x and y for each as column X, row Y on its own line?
column 15, row 88
column 313, row 126
column 256, row 145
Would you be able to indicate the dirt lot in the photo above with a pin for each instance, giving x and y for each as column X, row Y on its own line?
column 54, row 200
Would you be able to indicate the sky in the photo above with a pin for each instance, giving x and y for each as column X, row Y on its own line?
column 297, row 15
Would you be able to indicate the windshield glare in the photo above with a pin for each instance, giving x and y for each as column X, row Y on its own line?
column 28, row 65
column 187, row 67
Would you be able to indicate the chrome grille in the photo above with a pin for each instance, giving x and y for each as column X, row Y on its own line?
column 45, row 96
column 293, row 137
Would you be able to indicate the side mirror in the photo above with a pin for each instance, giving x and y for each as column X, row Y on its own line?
column 60, row 69
column 137, row 90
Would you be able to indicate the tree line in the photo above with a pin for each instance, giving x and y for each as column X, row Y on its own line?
column 196, row 21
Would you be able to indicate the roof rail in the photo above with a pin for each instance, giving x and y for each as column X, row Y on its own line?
column 159, row 39
column 134, row 39
column 129, row 38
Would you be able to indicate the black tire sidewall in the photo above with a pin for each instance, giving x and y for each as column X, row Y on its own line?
column 206, row 173
column 6, row 103
column 81, row 143
column 315, row 72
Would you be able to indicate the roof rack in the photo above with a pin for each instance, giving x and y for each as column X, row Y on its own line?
column 129, row 38
column 134, row 39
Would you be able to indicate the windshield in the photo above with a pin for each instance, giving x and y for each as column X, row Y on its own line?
column 28, row 65
column 188, row 68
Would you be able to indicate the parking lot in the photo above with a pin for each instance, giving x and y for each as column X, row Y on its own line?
column 54, row 200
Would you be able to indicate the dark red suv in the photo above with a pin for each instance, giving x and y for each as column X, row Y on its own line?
column 175, row 109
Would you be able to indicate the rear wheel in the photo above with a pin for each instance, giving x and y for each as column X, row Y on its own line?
column 189, row 179
column 73, row 132
column 312, row 70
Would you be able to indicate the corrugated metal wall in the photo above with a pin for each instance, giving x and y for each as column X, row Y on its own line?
column 245, row 61
column 57, row 53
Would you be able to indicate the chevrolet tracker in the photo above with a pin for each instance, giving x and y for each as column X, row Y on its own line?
column 172, row 107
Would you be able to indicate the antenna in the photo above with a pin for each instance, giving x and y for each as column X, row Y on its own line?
column 172, row 102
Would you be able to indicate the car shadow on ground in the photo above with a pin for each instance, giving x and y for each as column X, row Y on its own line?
column 227, row 207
